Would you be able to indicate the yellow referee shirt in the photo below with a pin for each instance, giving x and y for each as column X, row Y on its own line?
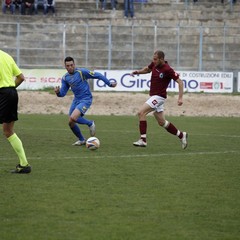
column 8, row 70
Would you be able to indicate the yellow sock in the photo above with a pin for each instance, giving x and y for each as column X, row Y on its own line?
column 18, row 148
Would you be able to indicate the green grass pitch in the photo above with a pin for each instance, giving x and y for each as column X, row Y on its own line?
column 120, row 191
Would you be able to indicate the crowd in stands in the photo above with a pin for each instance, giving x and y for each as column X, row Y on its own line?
column 233, row 1
column 128, row 7
column 113, row 4
column 28, row 7
column 222, row 1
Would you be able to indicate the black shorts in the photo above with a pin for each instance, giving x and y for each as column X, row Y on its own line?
column 8, row 105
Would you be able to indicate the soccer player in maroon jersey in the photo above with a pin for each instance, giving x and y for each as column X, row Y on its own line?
column 162, row 74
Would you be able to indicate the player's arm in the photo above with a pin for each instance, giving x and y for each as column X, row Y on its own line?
column 180, row 93
column 98, row 75
column 141, row 71
column 19, row 79
column 61, row 92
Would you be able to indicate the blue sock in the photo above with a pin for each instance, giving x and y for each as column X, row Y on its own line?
column 84, row 121
column 77, row 132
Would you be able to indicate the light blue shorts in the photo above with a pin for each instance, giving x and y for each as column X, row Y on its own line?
column 82, row 106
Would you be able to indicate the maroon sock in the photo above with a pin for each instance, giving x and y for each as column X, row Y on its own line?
column 143, row 129
column 173, row 130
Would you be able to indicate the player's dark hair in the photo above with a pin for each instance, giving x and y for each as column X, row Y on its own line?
column 160, row 54
column 68, row 59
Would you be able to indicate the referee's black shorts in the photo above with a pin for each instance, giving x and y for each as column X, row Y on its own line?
column 8, row 105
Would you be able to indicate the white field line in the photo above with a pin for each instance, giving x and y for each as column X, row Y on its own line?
column 135, row 155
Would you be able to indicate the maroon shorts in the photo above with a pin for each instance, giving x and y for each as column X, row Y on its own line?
column 8, row 105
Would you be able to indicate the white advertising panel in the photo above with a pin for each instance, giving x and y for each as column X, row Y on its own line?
column 211, row 82
column 41, row 78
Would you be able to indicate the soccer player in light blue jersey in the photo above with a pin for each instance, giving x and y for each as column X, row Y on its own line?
column 76, row 79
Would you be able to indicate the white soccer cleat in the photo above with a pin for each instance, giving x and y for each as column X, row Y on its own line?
column 92, row 129
column 184, row 140
column 140, row 143
column 79, row 143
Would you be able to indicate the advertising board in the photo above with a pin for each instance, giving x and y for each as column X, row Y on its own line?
column 210, row 82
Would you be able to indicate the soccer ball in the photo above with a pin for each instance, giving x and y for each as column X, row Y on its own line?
column 93, row 143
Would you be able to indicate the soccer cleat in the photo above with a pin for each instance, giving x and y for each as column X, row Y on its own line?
column 79, row 143
column 92, row 129
column 22, row 169
column 184, row 140
column 140, row 143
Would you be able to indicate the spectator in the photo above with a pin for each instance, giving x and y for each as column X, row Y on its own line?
column 113, row 4
column 29, row 4
column 40, row 4
column 18, row 4
column 50, row 5
column 128, row 8
column 233, row 1
column 8, row 4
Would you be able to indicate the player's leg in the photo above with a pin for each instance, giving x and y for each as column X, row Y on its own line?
column 83, row 107
column 89, row 123
column 16, row 144
column 171, row 128
column 153, row 103
column 8, row 115
column 142, row 115
column 75, row 128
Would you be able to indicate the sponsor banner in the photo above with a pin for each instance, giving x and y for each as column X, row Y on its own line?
column 211, row 82
column 239, row 82
column 41, row 78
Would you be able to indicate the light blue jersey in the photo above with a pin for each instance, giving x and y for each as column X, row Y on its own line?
column 78, row 83
column 80, row 88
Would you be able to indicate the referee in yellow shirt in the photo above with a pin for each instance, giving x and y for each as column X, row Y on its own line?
column 9, row 106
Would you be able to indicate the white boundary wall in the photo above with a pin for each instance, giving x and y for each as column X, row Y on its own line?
column 209, row 82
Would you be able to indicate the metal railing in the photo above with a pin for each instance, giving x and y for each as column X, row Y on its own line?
column 109, row 46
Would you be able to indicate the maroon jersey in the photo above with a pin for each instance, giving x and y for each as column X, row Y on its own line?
column 160, row 79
